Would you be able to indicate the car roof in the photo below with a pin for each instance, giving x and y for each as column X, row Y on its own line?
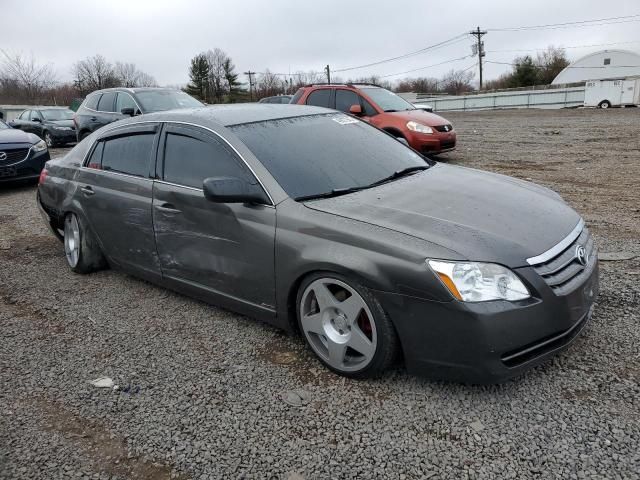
column 133, row 90
column 236, row 114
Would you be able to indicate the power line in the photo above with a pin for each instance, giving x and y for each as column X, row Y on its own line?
column 563, row 47
column 570, row 66
column 427, row 66
column 580, row 23
column 451, row 41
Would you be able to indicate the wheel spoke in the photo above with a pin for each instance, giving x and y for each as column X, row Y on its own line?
column 336, row 353
column 351, row 307
column 360, row 343
column 324, row 297
column 313, row 323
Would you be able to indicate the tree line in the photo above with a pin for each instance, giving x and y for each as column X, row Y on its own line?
column 213, row 78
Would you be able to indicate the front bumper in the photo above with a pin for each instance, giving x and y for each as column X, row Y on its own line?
column 63, row 136
column 489, row 342
column 27, row 169
column 437, row 142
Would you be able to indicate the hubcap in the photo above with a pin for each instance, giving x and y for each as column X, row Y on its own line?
column 72, row 240
column 338, row 324
column 48, row 140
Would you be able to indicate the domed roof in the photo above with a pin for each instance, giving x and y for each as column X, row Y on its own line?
column 601, row 65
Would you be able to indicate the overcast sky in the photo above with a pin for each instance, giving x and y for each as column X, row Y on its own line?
column 161, row 36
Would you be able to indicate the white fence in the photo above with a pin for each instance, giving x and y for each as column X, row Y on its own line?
column 552, row 98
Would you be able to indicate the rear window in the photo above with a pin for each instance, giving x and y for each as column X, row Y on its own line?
column 316, row 154
column 128, row 154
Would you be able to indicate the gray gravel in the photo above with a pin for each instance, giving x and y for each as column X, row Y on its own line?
column 203, row 392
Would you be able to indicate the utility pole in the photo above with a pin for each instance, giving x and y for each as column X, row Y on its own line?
column 250, row 75
column 479, row 48
column 327, row 70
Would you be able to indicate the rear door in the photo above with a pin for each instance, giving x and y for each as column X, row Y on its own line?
column 224, row 249
column 106, row 111
column 115, row 191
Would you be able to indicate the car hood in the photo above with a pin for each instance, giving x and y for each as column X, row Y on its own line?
column 420, row 116
column 13, row 135
column 60, row 123
column 480, row 215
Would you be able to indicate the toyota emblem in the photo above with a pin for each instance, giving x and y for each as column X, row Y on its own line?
column 3, row 156
column 581, row 255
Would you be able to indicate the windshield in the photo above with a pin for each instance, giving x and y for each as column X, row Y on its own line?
column 3, row 125
column 160, row 100
column 386, row 100
column 315, row 155
column 57, row 114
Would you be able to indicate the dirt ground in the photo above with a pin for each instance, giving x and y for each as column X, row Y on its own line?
column 201, row 389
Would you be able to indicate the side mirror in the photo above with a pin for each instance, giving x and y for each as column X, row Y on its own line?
column 232, row 190
column 355, row 110
column 128, row 111
column 36, row 119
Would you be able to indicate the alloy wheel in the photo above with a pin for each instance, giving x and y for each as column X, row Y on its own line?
column 72, row 240
column 48, row 139
column 338, row 324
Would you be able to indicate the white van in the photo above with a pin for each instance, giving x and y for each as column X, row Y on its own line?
column 612, row 93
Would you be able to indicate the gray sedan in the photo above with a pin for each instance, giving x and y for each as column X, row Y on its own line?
column 317, row 222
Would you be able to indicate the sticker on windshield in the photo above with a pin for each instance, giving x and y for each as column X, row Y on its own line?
column 344, row 119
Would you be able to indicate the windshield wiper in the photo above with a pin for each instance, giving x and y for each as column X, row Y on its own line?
column 336, row 192
column 390, row 110
column 399, row 173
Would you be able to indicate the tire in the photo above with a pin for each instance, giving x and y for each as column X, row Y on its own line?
column 48, row 139
column 83, row 135
column 345, row 326
column 604, row 104
column 80, row 246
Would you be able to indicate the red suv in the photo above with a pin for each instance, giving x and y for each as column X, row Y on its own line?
column 425, row 132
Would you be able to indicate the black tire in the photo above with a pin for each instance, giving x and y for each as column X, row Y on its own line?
column 83, row 135
column 604, row 104
column 387, row 345
column 89, row 255
column 48, row 139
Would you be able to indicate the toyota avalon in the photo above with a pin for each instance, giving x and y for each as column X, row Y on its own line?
column 318, row 222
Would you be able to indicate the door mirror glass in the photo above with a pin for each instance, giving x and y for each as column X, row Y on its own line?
column 355, row 110
column 232, row 190
column 128, row 111
column 36, row 119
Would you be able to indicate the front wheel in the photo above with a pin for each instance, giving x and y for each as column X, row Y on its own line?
column 48, row 139
column 604, row 104
column 80, row 247
column 345, row 326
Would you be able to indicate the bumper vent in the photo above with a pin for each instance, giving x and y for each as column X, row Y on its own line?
column 11, row 156
column 568, row 269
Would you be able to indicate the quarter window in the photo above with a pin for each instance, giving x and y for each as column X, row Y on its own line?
column 189, row 160
column 319, row 98
column 346, row 98
column 128, row 154
column 106, row 102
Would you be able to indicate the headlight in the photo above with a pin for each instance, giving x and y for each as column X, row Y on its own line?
column 62, row 128
column 479, row 282
column 39, row 147
column 418, row 127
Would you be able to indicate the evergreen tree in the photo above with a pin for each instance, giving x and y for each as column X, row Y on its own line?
column 199, row 75
column 231, row 77
column 525, row 72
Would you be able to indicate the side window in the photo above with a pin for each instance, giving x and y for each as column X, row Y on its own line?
column 128, row 154
column 25, row 115
column 124, row 100
column 368, row 109
column 607, row 61
column 95, row 161
column 35, row 114
column 346, row 98
column 189, row 160
column 320, row 98
column 106, row 102
column 92, row 101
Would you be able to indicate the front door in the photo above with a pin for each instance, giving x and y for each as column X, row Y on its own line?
column 116, row 191
column 226, row 249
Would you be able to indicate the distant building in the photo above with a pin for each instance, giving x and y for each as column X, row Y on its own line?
column 601, row 65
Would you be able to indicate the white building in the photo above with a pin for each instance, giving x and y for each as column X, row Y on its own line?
column 601, row 65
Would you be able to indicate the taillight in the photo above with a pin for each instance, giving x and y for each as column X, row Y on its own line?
column 75, row 121
column 43, row 176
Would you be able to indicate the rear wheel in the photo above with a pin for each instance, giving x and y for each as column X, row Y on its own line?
column 48, row 139
column 345, row 326
column 604, row 104
column 80, row 247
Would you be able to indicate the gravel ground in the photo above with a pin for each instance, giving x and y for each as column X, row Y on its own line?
column 201, row 389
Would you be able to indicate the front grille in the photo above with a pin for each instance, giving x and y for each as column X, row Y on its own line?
column 444, row 128
column 14, row 155
column 564, row 272
column 447, row 145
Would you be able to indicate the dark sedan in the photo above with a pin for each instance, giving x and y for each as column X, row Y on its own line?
column 54, row 125
column 277, row 99
column 22, row 155
column 315, row 221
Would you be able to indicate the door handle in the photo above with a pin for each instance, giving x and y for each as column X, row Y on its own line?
column 87, row 191
column 168, row 208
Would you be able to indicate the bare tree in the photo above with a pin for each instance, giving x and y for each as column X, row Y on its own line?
column 94, row 73
column 129, row 76
column 300, row 78
column 457, row 81
column 145, row 80
column 24, row 73
column 217, row 59
column 550, row 63
column 269, row 84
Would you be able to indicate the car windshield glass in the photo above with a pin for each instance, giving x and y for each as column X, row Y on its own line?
column 323, row 154
column 386, row 100
column 160, row 100
column 57, row 114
